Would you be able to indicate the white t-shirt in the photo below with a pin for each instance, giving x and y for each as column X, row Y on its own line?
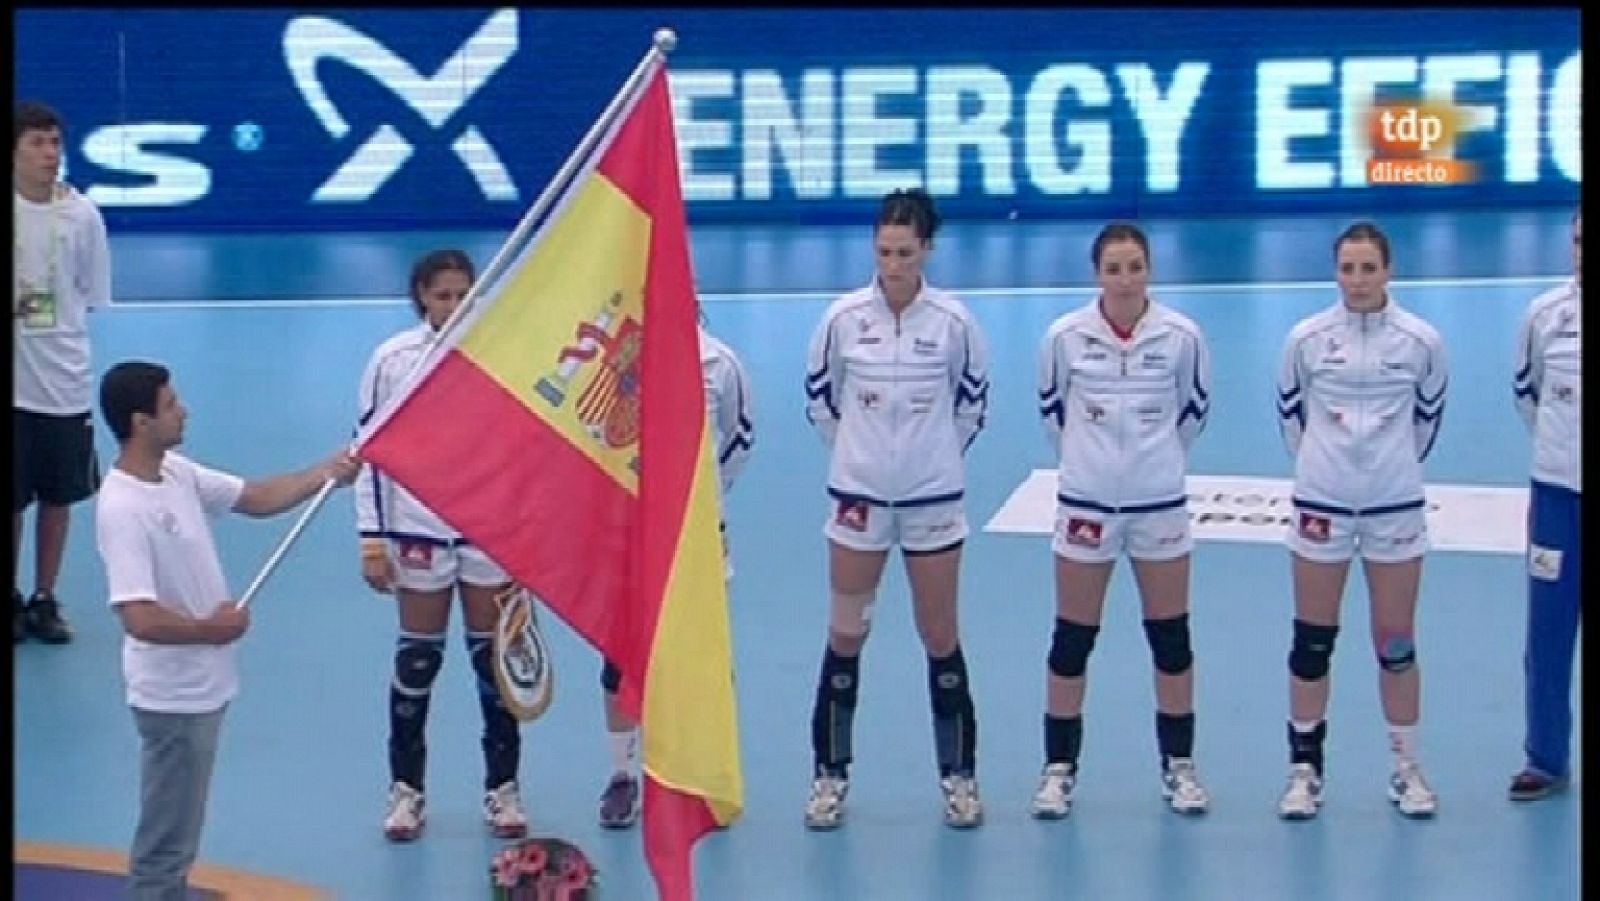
column 59, row 253
column 157, row 545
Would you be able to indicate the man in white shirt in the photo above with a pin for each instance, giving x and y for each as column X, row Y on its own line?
column 60, row 270
column 167, row 586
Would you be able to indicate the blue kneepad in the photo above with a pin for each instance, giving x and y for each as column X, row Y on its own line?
column 1397, row 653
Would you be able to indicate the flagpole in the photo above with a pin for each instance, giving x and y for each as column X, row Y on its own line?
column 660, row 46
column 289, row 539
column 662, row 43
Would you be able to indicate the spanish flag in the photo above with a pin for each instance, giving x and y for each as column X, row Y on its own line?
column 560, row 426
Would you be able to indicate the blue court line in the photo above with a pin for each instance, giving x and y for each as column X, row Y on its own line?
column 1056, row 291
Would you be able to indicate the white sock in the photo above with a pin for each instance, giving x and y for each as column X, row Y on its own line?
column 1403, row 742
column 1305, row 727
column 624, row 751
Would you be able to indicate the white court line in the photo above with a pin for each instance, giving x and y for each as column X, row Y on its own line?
column 1160, row 288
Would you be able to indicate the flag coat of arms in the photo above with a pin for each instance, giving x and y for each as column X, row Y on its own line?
column 560, row 426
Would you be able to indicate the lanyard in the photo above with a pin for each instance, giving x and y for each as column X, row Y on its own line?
column 52, row 250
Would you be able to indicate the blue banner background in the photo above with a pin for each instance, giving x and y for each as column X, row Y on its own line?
column 192, row 119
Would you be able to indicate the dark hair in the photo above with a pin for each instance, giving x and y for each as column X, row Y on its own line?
column 132, row 386
column 34, row 116
column 431, row 265
column 1363, row 231
column 1118, row 231
column 911, row 207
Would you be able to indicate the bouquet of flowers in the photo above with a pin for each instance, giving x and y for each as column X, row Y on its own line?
column 542, row 869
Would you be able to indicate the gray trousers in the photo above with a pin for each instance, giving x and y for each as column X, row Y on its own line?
column 177, row 751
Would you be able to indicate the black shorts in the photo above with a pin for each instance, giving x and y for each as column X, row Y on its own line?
column 56, row 462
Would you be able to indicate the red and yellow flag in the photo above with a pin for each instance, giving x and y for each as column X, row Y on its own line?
column 562, row 429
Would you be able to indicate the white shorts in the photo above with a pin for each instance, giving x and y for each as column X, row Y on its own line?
column 861, row 526
column 422, row 565
column 1324, row 537
column 1084, row 535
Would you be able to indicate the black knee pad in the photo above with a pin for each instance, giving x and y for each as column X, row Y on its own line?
column 1312, row 650
column 1070, row 646
column 1397, row 653
column 610, row 678
column 1169, row 643
column 417, row 663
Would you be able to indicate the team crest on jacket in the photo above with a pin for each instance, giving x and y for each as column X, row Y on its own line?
column 610, row 346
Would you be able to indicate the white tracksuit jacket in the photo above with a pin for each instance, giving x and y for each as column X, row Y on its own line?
column 728, row 400
column 1122, row 415
column 1360, row 399
column 1548, row 384
column 898, row 402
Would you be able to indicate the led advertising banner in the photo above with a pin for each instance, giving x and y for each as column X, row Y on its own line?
column 374, row 118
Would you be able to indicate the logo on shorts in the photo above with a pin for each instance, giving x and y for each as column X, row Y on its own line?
column 1408, row 539
column 1083, row 532
column 1314, row 527
column 852, row 515
column 415, row 555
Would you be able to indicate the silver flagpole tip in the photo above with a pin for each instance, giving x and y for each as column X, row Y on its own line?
column 666, row 39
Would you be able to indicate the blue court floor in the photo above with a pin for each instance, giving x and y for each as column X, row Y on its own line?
column 267, row 337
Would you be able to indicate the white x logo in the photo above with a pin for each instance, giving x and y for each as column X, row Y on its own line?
column 311, row 39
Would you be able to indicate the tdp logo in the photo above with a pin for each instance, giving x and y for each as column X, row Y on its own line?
column 1401, row 130
column 1413, row 143
column 312, row 40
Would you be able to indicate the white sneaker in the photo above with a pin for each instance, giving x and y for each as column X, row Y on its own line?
column 1053, row 800
column 825, row 807
column 405, row 818
column 1182, row 788
column 1410, row 793
column 962, row 809
column 1303, row 797
column 502, row 810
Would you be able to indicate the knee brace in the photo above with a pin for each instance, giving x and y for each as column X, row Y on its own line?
column 480, row 647
column 1312, row 650
column 1070, row 646
column 955, row 726
column 502, row 743
column 1169, row 643
column 417, row 659
column 833, row 716
column 610, row 678
column 947, row 685
column 1397, row 653
column 851, row 614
